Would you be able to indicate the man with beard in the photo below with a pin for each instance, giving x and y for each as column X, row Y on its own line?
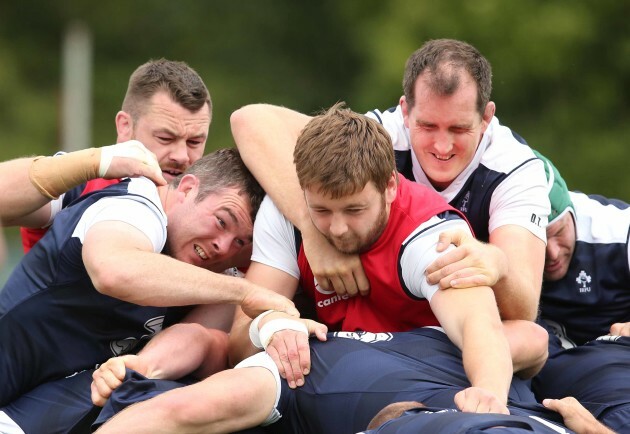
column 345, row 165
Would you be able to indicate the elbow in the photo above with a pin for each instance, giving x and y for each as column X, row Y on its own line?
column 241, row 118
column 110, row 281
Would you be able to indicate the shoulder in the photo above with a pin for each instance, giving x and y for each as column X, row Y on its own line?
column 504, row 152
column 392, row 120
column 601, row 220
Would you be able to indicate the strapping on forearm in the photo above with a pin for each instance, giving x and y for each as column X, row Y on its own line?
column 53, row 176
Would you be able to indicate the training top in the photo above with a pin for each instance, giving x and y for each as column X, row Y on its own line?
column 505, row 183
column 595, row 292
column 395, row 264
column 53, row 322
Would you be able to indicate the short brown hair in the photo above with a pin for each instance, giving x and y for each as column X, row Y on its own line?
column 340, row 151
column 180, row 81
column 223, row 169
column 443, row 60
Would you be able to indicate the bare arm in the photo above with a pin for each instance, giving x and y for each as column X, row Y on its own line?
column 518, row 292
column 24, row 204
column 120, row 261
column 266, row 136
column 288, row 348
column 471, row 320
column 21, row 203
column 512, row 264
column 177, row 351
column 269, row 277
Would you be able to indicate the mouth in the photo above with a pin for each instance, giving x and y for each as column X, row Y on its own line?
column 551, row 267
column 201, row 252
column 170, row 174
column 443, row 157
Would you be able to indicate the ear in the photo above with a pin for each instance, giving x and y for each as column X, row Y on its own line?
column 188, row 185
column 124, row 126
column 392, row 188
column 488, row 114
column 405, row 110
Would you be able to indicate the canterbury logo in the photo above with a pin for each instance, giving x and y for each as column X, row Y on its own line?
column 123, row 346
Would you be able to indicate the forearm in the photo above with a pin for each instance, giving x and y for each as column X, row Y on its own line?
column 153, row 279
column 20, row 197
column 205, row 350
column 486, row 356
column 518, row 290
column 518, row 294
column 240, row 346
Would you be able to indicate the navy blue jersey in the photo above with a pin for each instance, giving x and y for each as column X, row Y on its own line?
column 56, row 407
column 595, row 292
column 53, row 322
column 353, row 379
column 353, row 376
column 596, row 374
column 449, row 421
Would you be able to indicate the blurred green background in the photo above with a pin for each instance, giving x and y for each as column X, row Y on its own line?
column 561, row 68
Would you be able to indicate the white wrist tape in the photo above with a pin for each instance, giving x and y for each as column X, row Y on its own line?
column 254, row 335
column 275, row 325
column 129, row 149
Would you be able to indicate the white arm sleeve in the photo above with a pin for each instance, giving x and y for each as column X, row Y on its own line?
column 420, row 251
column 520, row 200
column 140, row 211
column 394, row 124
column 274, row 240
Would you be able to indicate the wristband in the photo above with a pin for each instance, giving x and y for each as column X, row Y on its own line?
column 275, row 325
column 254, row 335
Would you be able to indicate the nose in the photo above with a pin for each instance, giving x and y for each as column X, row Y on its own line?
column 338, row 226
column 443, row 143
column 222, row 244
column 179, row 153
column 552, row 250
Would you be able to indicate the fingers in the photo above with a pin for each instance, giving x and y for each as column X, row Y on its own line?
column 350, row 282
column 132, row 159
column 620, row 329
column 290, row 351
column 455, row 236
column 317, row 329
column 477, row 400
column 106, row 379
column 363, row 284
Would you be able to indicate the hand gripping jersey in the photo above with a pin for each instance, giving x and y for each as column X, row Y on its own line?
column 505, row 183
column 390, row 305
column 53, row 322
column 595, row 292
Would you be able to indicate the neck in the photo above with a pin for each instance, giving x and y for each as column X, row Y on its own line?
column 163, row 192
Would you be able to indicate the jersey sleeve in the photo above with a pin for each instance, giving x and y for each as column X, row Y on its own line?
column 274, row 240
column 522, row 200
column 394, row 123
column 419, row 251
column 138, row 209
